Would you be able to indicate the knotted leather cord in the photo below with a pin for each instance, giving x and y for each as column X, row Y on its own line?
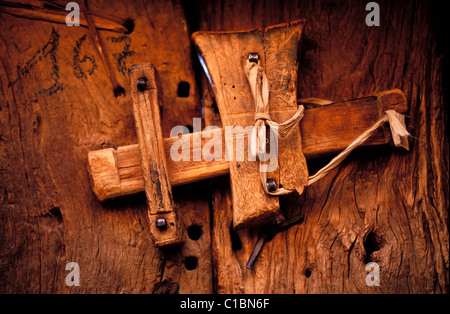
column 259, row 86
column 399, row 135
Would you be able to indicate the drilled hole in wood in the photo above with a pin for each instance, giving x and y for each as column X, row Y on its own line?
column 190, row 262
column 141, row 84
column 56, row 212
column 372, row 243
column 119, row 92
column 308, row 272
column 129, row 25
column 183, row 89
column 194, row 232
column 236, row 243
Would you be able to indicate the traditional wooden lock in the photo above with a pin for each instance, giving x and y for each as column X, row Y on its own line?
column 248, row 69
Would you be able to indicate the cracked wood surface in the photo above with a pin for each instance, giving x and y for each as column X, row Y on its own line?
column 381, row 205
column 57, row 105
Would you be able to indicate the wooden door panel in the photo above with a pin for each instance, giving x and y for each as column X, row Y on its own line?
column 381, row 205
column 57, row 105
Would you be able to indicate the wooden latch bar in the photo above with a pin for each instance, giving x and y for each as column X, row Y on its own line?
column 117, row 172
column 165, row 226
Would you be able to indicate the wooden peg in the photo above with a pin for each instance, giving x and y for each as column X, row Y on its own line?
column 165, row 226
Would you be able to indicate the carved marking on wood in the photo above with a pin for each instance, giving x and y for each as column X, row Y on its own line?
column 122, row 56
column 77, row 61
column 48, row 50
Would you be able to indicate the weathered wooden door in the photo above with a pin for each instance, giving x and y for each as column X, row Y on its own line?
column 381, row 205
column 57, row 105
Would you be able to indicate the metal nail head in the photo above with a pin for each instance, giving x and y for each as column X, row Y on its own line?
column 161, row 223
column 253, row 57
column 271, row 185
column 142, row 84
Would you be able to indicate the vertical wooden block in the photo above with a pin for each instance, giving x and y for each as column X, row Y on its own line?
column 225, row 54
column 164, row 224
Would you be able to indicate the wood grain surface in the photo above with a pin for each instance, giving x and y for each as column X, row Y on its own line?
column 57, row 105
column 381, row 205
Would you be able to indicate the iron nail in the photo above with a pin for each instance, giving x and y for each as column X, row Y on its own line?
column 253, row 57
column 142, row 84
column 257, row 249
column 271, row 185
column 161, row 223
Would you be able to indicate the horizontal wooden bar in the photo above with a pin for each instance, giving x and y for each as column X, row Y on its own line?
column 325, row 130
column 35, row 10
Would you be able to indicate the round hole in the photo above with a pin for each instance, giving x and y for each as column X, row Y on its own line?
column 308, row 273
column 119, row 92
column 190, row 262
column 194, row 232
column 141, row 84
column 183, row 89
column 129, row 25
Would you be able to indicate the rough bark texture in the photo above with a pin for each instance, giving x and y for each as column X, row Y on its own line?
column 382, row 205
column 57, row 105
